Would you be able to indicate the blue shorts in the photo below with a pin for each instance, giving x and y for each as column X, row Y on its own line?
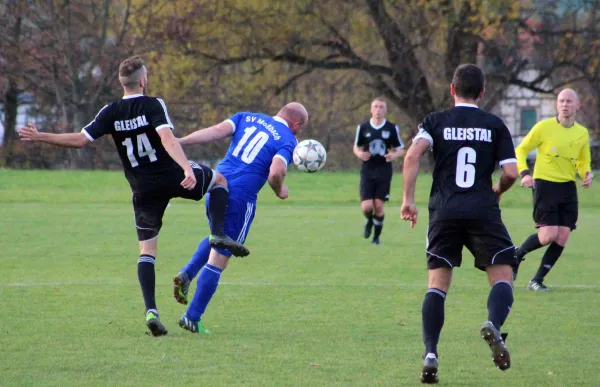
column 240, row 214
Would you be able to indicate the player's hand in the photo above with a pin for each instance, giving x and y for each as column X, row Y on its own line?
column 527, row 181
column 497, row 191
column 284, row 192
column 588, row 180
column 364, row 156
column 190, row 179
column 389, row 157
column 409, row 212
column 29, row 133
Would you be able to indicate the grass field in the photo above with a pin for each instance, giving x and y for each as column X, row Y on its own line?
column 313, row 305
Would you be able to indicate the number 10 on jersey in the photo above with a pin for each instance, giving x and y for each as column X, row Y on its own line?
column 254, row 146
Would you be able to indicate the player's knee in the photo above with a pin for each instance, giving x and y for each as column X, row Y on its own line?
column 218, row 260
column 498, row 273
column 548, row 234
column 367, row 206
column 440, row 279
column 378, row 207
column 220, row 180
column 562, row 235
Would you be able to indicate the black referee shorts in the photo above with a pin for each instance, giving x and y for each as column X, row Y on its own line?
column 487, row 240
column 555, row 204
column 149, row 206
column 378, row 188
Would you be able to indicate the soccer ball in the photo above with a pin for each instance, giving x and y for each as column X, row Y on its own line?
column 310, row 156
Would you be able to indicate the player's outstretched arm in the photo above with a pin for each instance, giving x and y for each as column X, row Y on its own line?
column 277, row 176
column 174, row 150
column 410, row 171
column 66, row 140
column 205, row 136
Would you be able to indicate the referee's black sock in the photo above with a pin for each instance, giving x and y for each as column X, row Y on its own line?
column 532, row 243
column 369, row 215
column 433, row 318
column 378, row 222
column 548, row 261
column 499, row 303
column 147, row 279
column 217, row 208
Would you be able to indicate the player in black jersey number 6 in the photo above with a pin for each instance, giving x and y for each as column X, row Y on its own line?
column 467, row 145
column 156, row 168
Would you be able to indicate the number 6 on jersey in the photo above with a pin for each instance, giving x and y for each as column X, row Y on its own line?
column 465, row 170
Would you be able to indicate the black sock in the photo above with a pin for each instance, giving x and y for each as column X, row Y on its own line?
column 548, row 261
column 499, row 303
column 532, row 243
column 146, row 278
column 368, row 215
column 217, row 208
column 433, row 318
column 378, row 221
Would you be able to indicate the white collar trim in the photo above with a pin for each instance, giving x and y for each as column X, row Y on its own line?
column 133, row 96
column 466, row 105
column 279, row 119
column 377, row 127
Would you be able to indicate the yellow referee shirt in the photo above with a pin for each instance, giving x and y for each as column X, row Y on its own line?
column 561, row 152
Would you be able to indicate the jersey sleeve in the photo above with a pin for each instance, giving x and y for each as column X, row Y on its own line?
column 585, row 159
column 100, row 125
column 505, row 149
column 425, row 131
column 396, row 140
column 235, row 120
column 159, row 116
column 286, row 152
column 359, row 140
column 529, row 143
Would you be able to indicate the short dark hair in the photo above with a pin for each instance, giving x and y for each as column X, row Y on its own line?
column 131, row 71
column 468, row 81
column 130, row 66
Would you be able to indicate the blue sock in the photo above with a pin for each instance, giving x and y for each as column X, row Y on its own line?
column 198, row 260
column 207, row 286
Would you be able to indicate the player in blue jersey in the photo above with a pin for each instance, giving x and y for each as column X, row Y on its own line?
column 260, row 151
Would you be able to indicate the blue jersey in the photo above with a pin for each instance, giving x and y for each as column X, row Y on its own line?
column 257, row 139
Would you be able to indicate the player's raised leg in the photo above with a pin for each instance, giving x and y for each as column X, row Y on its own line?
column 218, row 201
column 433, row 320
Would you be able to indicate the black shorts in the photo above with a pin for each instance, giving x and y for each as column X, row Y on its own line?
column 555, row 204
column 487, row 240
column 375, row 189
column 149, row 207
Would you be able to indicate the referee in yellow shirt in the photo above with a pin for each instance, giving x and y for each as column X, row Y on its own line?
column 563, row 150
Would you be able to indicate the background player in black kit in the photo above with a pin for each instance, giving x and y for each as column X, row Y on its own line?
column 467, row 145
column 377, row 144
column 156, row 168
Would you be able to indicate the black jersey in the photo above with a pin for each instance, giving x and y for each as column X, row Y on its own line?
column 377, row 140
column 467, row 145
column 134, row 122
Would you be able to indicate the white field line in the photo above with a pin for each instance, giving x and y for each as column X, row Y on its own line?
column 273, row 284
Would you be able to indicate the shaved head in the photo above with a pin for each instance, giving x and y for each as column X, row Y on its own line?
column 567, row 104
column 295, row 115
column 568, row 93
